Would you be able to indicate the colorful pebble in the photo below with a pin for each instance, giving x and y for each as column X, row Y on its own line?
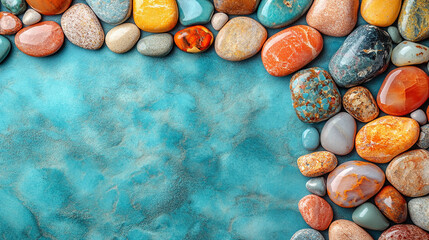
column 344, row 229
column 194, row 39
column 49, row 7
column 291, row 49
column 317, row 163
column 419, row 211
column 317, row 186
column 354, row 182
column 31, row 17
column 413, row 22
column 364, row 55
column 193, row 12
column 310, row 138
column 316, row 211
column 377, row 13
column 392, row 204
column 424, row 137
column 5, row 47
column 156, row 45
column 219, row 20
column 113, row 11
column 314, row 94
column 122, row 38
column 280, row 13
column 155, row 16
column 384, row 138
column 368, row 216
column 15, row 6
column 307, row 234
column 394, row 34
column 9, row 23
column 236, row 7
column 404, row 232
column 359, row 102
column 409, row 53
column 338, row 134
column 420, row 116
column 41, row 39
column 240, row 39
column 409, row 173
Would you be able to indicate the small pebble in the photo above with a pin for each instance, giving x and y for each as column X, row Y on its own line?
column 156, row 45
column 338, row 134
column 193, row 12
column 424, row 137
column 9, row 23
column 307, row 234
column 359, row 102
column 317, row 186
column 316, row 211
column 310, row 138
column 420, row 116
column 419, row 212
column 194, row 39
column 4, row 48
column 219, row 20
column 409, row 53
column 31, row 17
column 317, row 163
column 344, row 229
column 392, row 204
column 404, row 232
column 122, row 38
column 368, row 216
column 394, row 34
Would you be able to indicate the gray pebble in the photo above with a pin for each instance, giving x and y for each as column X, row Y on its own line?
column 219, row 20
column 394, row 34
column 156, row 45
column 419, row 212
column 338, row 134
column 307, row 234
column 317, row 186
column 420, row 116
column 424, row 137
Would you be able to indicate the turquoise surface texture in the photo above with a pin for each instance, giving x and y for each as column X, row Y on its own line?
column 15, row 6
column 111, row 11
column 4, row 48
column 280, row 13
column 193, row 12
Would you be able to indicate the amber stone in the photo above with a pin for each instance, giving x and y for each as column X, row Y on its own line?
column 9, row 23
column 404, row 232
column 359, row 102
column 316, row 211
column 236, row 7
column 404, row 90
column 194, row 39
column 317, row 163
column 392, row 204
column 49, row 7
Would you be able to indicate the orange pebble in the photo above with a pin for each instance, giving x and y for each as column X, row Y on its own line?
column 316, row 211
column 194, row 39
column 392, row 204
column 317, row 163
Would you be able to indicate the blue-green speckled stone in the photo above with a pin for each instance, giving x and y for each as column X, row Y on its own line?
column 280, row 13
column 413, row 22
column 4, row 48
column 111, row 11
column 310, row 138
column 364, row 54
column 192, row 12
column 314, row 94
column 15, row 6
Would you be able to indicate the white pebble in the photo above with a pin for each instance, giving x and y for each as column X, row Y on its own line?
column 31, row 17
column 218, row 20
column 420, row 116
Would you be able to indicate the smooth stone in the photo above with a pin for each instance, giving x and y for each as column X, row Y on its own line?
column 82, row 28
column 364, row 55
column 409, row 173
column 156, row 16
column 15, row 6
column 194, row 39
column 384, row 138
column 368, row 216
column 310, row 138
column 314, row 95
column 359, row 102
column 404, row 232
column 344, row 229
column 420, row 116
column 156, row 45
column 280, row 13
column 377, row 13
column 113, row 11
column 5, row 47
column 413, row 22
column 317, row 164
column 354, row 182
column 332, row 17
column 192, row 12
column 394, row 34
column 419, row 211
column 291, row 49
column 409, row 53
column 9, row 23
column 392, row 204
column 31, row 17
column 236, row 7
column 403, row 90
column 338, row 134
column 41, row 39
column 219, row 20
column 240, row 39
column 317, row 186
column 316, row 211
column 423, row 141
column 49, row 7
column 307, row 234
column 122, row 38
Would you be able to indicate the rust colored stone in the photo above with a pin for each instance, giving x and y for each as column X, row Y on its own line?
column 317, row 163
column 359, row 102
column 9, row 23
column 316, row 211
column 392, row 204
column 236, row 7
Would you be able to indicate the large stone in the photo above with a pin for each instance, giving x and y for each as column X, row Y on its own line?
column 280, row 13
column 344, row 229
column 155, row 16
column 413, row 22
column 49, row 7
column 380, row 13
column 404, row 232
column 192, row 12
column 338, row 134
column 111, row 11
column 409, row 53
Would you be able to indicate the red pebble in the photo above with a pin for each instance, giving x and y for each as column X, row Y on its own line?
column 316, row 211
column 194, row 39
column 41, row 39
column 9, row 23
column 404, row 232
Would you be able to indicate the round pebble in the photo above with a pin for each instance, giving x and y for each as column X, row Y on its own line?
column 4, row 48
column 344, row 229
column 368, row 216
column 359, row 102
column 376, row 13
column 317, row 186
column 31, row 17
column 156, row 45
column 194, row 39
column 317, row 163
column 404, row 232
column 338, row 134
column 113, row 11
column 394, row 34
column 310, row 138
column 420, row 116
column 9, row 23
column 307, row 234
column 423, row 141
column 409, row 53
column 392, row 204
column 219, row 20
column 316, row 211
column 419, row 211
column 122, row 38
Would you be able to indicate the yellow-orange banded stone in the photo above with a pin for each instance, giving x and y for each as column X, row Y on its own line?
column 317, row 163
column 155, row 16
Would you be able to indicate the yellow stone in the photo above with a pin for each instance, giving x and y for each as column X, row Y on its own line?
column 155, row 16
column 382, row 13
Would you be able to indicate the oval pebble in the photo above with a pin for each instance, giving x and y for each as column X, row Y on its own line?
column 4, row 48
column 156, row 45
column 193, row 12
column 368, row 216
column 404, row 232
column 376, row 13
column 338, row 134
column 423, row 141
column 194, row 39
column 9, row 23
column 310, row 138
column 280, row 13
column 409, row 53
column 316, row 211
column 113, row 11
column 155, row 16
column 49, row 7
column 344, row 229
column 219, row 20
column 420, row 116
column 419, row 211
column 122, row 38
column 317, row 163
column 236, row 7
column 394, row 34
column 392, row 204
column 31, row 17
column 413, row 22
column 317, row 186
column 82, row 28
column 307, row 234
column 359, row 102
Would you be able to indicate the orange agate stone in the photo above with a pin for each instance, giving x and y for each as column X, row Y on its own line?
column 404, row 90
column 392, row 204
column 194, row 39
column 49, row 7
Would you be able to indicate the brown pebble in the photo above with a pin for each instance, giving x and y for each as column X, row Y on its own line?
column 316, row 164
column 360, row 103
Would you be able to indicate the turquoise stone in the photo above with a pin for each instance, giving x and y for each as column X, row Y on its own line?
column 280, row 13
column 310, row 138
column 368, row 216
column 193, row 12
column 4, row 48
column 111, row 11
column 15, row 6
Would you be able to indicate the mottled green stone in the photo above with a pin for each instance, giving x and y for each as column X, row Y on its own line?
column 15, row 6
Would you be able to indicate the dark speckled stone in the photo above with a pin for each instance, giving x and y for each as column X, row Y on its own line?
column 364, row 54
column 307, row 234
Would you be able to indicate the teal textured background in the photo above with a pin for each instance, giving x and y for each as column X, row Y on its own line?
column 97, row 145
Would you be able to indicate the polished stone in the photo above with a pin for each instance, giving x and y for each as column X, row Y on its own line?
column 359, row 102
column 156, row 45
column 316, row 211
column 9, row 23
column 317, row 164
column 194, row 39
column 5, row 47
column 392, row 204
column 15, row 6
column 192, row 12
column 419, row 212
column 111, row 11
column 219, row 20
column 317, row 186
column 413, row 22
column 280, row 13
column 236, row 7
column 31, row 17
column 404, row 232
column 394, row 34
column 381, row 13
column 310, row 138
column 122, row 38
column 423, row 141
column 368, row 216
column 156, row 16
column 409, row 53
column 49, row 7
column 338, row 134
column 343, row 229
column 420, row 116
column 307, row 234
